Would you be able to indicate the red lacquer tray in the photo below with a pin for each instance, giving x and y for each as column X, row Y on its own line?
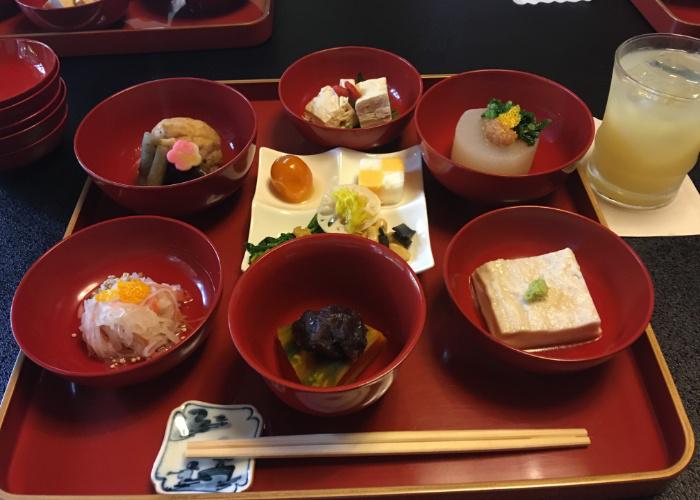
column 145, row 28
column 671, row 16
column 60, row 439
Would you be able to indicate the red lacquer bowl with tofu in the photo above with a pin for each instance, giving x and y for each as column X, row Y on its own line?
column 561, row 143
column 313, row 272
column 46, row 306
column 108, row 143
column 531, row 312
column 379, row 110
column 92, row 15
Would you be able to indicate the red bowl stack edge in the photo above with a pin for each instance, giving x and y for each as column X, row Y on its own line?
column 33, row 108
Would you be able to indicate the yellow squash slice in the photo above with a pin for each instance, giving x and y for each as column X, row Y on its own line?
column 314, row 371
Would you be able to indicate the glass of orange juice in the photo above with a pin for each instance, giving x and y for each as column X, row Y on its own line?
column 650, row 135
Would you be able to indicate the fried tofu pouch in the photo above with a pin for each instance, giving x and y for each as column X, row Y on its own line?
column 170, row 130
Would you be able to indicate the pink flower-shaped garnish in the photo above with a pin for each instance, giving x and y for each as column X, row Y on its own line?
column 184, row 155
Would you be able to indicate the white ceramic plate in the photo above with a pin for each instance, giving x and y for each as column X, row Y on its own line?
column 198, row 421
column 271, row 216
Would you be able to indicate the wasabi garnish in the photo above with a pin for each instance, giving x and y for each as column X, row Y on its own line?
column 536, row 291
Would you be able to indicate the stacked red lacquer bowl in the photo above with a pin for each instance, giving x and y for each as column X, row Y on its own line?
column 33, row 109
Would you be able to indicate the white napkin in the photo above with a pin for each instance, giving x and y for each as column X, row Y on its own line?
column 533, row 2
column 681, row 217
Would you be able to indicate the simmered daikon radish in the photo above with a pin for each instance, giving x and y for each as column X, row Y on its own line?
column 473, row 149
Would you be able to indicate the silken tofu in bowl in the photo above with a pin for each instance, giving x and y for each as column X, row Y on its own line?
column 546, row 289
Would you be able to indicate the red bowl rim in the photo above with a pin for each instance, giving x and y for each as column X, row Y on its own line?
column 400, row 357
column 28, row 94
column 122, row 185
column 36, row 144
column 61, row 102
column 409, row 66
column 542, row 79
column 537, row 355
column 62, row 89
column 135, row 366
column 34, row 93
column 23, row 4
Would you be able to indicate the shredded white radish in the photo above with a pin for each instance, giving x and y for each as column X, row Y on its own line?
column 114, row 329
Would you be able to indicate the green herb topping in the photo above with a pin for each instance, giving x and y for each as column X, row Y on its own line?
column 536, row 290
column 523, row 122
column 268, row 243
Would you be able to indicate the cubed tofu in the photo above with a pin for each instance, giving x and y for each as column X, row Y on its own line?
column 384, row 176
column 373, row 108
column 565, row 315
column 330, row 109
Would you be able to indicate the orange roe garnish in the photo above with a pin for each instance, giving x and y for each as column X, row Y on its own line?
column 132, row 292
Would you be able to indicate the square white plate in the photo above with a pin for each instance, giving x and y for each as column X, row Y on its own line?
column 270, row 216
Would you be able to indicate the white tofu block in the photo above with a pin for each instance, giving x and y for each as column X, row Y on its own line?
column 566, row 315
column 374, row 107
column 330, row 109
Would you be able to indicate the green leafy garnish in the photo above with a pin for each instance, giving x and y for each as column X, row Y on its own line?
column 256, row 251
column 536, row 290
column 268, row 243
column 528, row 129
column 495, row 107
column 359, row 78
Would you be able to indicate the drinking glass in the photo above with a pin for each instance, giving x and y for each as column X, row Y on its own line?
column 650, row 135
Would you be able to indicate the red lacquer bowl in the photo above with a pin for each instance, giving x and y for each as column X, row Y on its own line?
column 302, row 81
column 39, row 115
column 108, row 142
column 27, row 107
column 45, row 307
column 82, row 17
column 617, row 279
column 35, row 151
column 561, row 144
column 37, row 131
column 312, row 272
column 33, row 65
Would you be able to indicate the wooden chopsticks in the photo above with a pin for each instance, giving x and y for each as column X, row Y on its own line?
column 389, row 443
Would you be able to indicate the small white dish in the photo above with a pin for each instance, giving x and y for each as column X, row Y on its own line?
column 198, row 421
column 271, row 216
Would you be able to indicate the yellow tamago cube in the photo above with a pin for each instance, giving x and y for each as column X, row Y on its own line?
column 384, row 176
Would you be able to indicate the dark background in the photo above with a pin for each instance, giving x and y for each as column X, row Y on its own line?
column 570, row 43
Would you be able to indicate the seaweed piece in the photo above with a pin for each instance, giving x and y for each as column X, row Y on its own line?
column 314, row 226
column 158, row 167
column 382, row 237
column 175, row 176
column 403, row 235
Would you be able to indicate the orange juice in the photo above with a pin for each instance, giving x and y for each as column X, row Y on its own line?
column 650, row 135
